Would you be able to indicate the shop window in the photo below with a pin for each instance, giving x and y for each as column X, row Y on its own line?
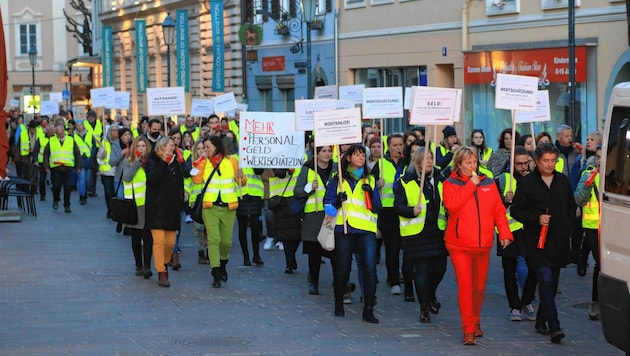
column 264, row 85
column 618, row 153
column 286, row 84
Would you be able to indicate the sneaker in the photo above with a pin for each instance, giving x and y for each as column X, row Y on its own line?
column 347, row 299
column 268, row 244
column 395, row 290
column 515, row 315
column 188, row 219
column 593, row 311
column 279, row 246
column 530, row 312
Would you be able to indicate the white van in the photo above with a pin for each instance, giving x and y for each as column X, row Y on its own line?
column 614, row 278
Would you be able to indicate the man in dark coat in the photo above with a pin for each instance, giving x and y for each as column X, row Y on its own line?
column 544, row 201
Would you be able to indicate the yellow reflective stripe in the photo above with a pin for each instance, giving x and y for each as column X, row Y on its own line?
column 310, row 207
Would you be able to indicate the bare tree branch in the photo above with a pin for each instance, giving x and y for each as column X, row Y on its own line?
column 81, row 29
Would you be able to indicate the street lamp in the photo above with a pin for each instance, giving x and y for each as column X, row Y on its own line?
column 308, row 16
column 168, row 33
column 32, row 57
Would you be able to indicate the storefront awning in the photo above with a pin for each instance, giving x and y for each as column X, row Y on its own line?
column 85, row 61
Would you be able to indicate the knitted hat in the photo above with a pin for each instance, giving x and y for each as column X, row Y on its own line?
column 449, row 131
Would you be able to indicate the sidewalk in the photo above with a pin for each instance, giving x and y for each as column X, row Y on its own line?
column 68, row 287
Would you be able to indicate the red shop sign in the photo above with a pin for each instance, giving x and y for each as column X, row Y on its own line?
column 550, row 65
column 273, row 64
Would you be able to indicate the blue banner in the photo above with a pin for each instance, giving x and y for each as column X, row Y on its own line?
column 142, row 79
column 183, row 59
column 218, row 67
column 107, row 57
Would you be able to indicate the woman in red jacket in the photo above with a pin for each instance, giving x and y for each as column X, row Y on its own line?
column 474, row 208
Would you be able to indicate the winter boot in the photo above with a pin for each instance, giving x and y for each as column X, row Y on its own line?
column 224, row 275
column 368, row 311
column 216, row 275
column 424, row 313
column 203, row 258
column 175, row 261
column 163, row 279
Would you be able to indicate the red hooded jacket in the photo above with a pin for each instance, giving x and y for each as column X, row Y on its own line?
column 473, row 211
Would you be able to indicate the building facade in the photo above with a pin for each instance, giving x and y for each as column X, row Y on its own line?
column 461, row 44
column 41, row 24
column 131, row 41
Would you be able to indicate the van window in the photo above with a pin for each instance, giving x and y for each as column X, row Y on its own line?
column 618, row 153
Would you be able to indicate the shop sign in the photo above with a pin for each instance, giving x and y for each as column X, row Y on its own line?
column 550, row 65
column 273, row 64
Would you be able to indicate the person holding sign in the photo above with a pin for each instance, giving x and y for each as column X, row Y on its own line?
column 164, row 203
column 220, row 201
column 287, row 227
column 311, row 185
column 354, row 199
column 447, row 147
column 474, row 208
column 422, row 225
column 544, row 201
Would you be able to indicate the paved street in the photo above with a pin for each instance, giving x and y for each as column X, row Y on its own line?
column 68, row 287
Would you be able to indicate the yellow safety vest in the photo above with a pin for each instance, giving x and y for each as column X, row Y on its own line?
column 254, row 186
column 25, row 141
column 514, row 224
column 134, row 132
column 224, row 183
column 84, row 147
column 43, row 142
column 105, row 167
column 97, row 130
column 559, row 164
column 233, row 127
column 137, row 188
column 39, row 131
column 415, row 225
column 61, row 155
column 277, row 185
column 310, row 206
column 389, row 175
column 194, row 133
column 357, row 214
column 590, row 211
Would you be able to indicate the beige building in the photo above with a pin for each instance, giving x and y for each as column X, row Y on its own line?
column 41, row 24
column 123, row 15
column 462, row 44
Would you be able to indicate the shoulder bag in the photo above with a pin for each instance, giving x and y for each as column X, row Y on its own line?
column 274, row 202
column 197, row 208
column 124, row 210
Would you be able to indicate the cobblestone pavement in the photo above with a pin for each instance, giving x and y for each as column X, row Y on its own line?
column 67, row 286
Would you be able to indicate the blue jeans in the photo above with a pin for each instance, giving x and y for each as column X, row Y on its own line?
column 364, row 245
column 427, row 275
column 81, row 183
column 547, row 287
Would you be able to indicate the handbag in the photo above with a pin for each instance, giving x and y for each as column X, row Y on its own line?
column 274, row 202
column 124, row 210
column 296, row 206
column 197, row 208
column 326, row 236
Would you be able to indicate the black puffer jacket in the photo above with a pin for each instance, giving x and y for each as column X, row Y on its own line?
column 165, row 193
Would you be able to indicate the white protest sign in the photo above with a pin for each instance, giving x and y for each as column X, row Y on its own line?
column 103, row 97
column 304, row 110
column 542, row 113
column 55, row 96
column 121, row 100
column 407, row 101
column 268, row 140
column 458, row 105
column 342, row 126
column 326, row 92
column 15, row 103
column 353, row 93
column 382, row 103
column 224, row 103
column 516, row 92
column 433, row 106
column 202, row 107
column 79, row 111
column 345, row 104
column 49, row 107
column 166, row 101
column 241, row 106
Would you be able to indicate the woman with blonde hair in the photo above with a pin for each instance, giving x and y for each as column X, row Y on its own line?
column 165, row 199
column 134, row 181
column 198, row 151
column 474, row 208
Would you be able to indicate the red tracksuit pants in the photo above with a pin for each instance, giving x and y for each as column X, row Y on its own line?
column 471, row 272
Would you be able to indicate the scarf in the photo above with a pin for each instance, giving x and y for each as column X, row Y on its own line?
column 216, row 159
column 356, row 173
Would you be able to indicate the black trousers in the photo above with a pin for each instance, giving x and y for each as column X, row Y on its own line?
column 389, row 224
column 142, row 247
column 256, row 225
column 61, row 177
column 510, row 283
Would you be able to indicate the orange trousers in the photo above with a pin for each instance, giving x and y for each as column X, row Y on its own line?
column 471, row 272
column 163, row 244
